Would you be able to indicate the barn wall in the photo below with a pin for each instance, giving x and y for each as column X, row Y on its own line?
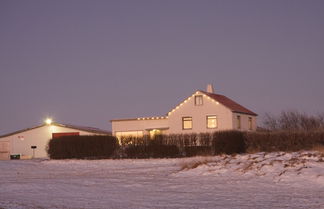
column 21, row 143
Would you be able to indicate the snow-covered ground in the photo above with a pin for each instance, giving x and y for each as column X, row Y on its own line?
column 275, row 180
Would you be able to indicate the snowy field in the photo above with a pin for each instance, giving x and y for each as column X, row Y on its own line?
column 276, row 180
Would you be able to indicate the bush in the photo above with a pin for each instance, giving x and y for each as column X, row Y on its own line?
column 198, row 150
column 293, row 121
column 151, row 149
column 286, row 141
column 228, row 142
column 82, row 147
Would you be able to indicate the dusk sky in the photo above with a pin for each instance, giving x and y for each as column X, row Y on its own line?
column 87, row 62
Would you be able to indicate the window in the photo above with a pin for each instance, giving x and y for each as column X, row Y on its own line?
column 198, row 100
column 238, row 118
column 121, row 134
column 250, row 123
column 212, row 121
column 186, row 123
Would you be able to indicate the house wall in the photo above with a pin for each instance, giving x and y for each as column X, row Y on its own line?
column 36, row 137
column 199, row 115
column 244, row 122
column 138, row 125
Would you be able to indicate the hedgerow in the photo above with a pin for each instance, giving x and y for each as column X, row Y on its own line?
column 183, row 145
column 82, row 147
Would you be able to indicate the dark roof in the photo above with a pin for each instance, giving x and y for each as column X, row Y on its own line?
column 84, row 128
column 227, row 102
column 81, row 128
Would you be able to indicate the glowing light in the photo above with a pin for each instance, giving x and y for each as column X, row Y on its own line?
column 48, row 121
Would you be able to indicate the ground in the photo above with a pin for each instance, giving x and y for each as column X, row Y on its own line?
column 276, row 180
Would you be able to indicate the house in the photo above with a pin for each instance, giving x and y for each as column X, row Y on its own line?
column 203, row 111
column 32, row 142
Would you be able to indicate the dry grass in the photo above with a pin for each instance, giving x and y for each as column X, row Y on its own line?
column 195, row 162
column 318, row 148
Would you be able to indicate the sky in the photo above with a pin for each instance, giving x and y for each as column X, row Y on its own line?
column 87, row 62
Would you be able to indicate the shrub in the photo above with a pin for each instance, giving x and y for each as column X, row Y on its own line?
column 151, row 149
column 228, row 142
column 82, row 147
column 205, row 139
column 197, row 150
column 287, row 141
column 293, row 121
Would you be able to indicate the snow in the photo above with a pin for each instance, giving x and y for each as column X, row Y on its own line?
column 273, row 180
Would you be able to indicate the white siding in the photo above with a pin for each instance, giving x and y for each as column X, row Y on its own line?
column 244, row 122
column 199, row 116
column 21, row 143
column 138, row 125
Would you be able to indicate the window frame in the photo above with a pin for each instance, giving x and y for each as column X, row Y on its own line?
column 250, row 122
column 207, row 117
column 196, row 99
column 238, row 122
column 183, row 120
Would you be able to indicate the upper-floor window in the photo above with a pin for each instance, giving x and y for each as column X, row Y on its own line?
column 198, row 100
column 238, row 121
column 186, row 123
column 250, row 123
column 212, row 121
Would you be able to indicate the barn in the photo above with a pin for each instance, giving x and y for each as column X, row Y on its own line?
column 32, row 142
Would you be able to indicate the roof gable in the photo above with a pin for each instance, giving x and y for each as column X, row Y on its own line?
column 80, row 128
column 227, row 102
column 218, row 98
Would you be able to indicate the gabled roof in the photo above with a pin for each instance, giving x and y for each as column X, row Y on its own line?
column 84, row 128
column 227, row 102
column 81, row 128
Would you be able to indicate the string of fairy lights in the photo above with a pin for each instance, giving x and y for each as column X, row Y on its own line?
column 179, row 106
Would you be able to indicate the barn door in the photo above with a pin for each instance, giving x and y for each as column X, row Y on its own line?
column 57, row 135
column 4, row 151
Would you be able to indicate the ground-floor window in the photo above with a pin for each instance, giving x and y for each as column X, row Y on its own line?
column 238, row 123
column 250, row 123
column 120, row 134
column 155, row 132
column 212, row 121
column 186, row 123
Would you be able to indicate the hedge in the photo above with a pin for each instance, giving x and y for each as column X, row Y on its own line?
column 150, row 148
column 287, row 141
column 229, row 142
column 183, row 145
column 82, row 147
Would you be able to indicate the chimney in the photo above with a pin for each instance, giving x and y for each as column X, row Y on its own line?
column 210, row 88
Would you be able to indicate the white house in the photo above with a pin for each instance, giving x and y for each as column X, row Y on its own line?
column 21, row 142
column 203, row 111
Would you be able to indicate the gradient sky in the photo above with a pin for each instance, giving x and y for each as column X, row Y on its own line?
column 87, row 62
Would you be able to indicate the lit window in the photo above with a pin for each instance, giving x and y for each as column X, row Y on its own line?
column 250, row 123
column 121, row 134
column 198, row 100
column 238, row 122
column 212, row 121
column 187, row 123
